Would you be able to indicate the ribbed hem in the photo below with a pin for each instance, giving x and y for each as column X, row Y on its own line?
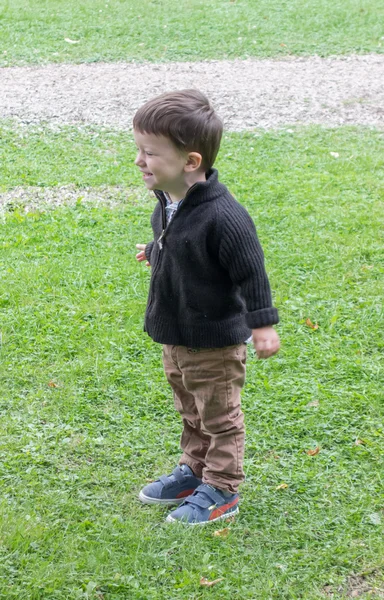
column 148, row 250
column 262, row 318
column 213, row 334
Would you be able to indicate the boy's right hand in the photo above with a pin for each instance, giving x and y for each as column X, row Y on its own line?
column 141, row 255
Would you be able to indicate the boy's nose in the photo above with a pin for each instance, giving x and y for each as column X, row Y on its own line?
column 139, row 160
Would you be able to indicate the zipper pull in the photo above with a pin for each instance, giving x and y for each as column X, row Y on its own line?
column 160, row 238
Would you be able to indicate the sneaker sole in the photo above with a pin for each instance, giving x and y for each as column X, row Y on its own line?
column 160, row 501
column 227, row 515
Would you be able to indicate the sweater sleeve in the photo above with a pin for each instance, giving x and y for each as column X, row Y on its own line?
column 240, row 253
column 148, row 250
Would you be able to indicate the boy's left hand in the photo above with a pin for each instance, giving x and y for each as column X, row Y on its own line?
column 266, row 341
column 141, row 255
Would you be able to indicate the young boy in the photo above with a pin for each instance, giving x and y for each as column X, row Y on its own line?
column 209, row 293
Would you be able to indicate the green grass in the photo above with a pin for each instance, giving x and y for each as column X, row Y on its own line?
column 86, row 414
column 34, row 31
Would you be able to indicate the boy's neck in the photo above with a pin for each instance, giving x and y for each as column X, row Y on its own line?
column 179, row 193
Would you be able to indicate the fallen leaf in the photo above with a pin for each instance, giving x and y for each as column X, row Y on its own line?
column 313, row 403
column 230, row 520
column 221, row 532
column 334, row 154
column 69, row 41
column 282, row 486
column 52, row 384
column 313, row 451
column 206, row 583
column 309, row 323
column 272, row 454
column 360, row 442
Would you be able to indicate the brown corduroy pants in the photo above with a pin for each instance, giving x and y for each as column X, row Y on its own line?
column 207, row 383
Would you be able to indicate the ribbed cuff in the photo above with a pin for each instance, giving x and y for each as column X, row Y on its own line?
column 262, row 318
column 148, row 250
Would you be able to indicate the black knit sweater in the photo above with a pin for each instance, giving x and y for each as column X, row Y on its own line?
column 208, row 286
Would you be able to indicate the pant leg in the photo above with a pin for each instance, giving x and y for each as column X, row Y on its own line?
column 214, row 378
column 194, row 443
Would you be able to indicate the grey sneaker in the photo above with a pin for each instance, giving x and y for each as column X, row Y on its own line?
column 206, row 505
column 171, row 489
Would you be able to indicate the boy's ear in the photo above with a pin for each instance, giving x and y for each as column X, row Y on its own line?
column 194, row 161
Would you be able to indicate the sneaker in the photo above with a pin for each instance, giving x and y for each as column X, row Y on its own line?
column 206, row 505
column 171, row 489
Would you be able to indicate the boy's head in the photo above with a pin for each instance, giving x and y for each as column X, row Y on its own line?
column 182, row 121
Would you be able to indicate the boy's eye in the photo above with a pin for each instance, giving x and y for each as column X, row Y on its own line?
column 149, row 153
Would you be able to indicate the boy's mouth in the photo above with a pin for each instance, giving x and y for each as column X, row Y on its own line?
column 146, row 175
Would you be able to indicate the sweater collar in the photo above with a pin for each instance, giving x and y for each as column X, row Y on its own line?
column 202, row 191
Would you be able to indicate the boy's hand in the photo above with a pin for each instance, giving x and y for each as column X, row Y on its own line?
column 141, row 255
column 266, row 341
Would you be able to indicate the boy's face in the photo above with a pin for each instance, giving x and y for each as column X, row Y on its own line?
column 161, row 163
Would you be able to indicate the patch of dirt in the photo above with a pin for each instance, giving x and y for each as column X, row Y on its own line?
column 33, row 199
column 266, row 93
column 355, row 586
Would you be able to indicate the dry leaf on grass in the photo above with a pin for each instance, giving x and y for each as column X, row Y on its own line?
column 230, row 520
column 313, row 451
column 360, row 443
column 221, row 532
column 313, row 403
column 282, row 486
column 52, row 384
column 206, row 583
column 309, row 323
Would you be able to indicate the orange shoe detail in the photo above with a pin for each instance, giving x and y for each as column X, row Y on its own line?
column 185, row 493
column 220, row 511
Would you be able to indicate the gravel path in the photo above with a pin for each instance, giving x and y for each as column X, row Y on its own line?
column 247, row 94
column 33, row 198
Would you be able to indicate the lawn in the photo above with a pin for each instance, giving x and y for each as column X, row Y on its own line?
column 86, row 414
column 164, row 30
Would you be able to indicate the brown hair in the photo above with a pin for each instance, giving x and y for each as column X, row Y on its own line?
column 187, row 119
